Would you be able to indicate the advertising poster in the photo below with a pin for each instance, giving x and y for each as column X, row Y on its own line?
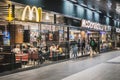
column 6, row 38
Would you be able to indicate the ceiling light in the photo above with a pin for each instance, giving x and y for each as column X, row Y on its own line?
column 83, row 5
column 105, row 16
column 109, row 4
column 99, row 11
column 97, row 0
column 75, row 1
column 117, row 19
column 92, row 9
column 118, row 8
column 109, row 16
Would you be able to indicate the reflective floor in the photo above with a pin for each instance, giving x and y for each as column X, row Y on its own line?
column 105, row 66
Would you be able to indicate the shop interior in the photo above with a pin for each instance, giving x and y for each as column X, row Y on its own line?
column 118, row 40
column 47, row 40
column 34, row 43
column 106, row 42
column 103, row 38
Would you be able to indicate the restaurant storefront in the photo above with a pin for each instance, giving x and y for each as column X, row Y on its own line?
column 36, row 36
column 33, row 41
column 117, row 40
column 100, row 33
column 49, row 35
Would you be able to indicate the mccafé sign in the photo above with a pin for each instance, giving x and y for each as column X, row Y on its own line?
column 118, row 30
column 91, row 25
column 30, row 11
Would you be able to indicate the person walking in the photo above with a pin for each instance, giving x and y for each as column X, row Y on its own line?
column 87, row 48
column 75, row 50
column 93, row 46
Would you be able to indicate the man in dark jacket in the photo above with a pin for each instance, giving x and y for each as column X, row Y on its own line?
column 79, row 45
column 83, row 46
column 93, row 45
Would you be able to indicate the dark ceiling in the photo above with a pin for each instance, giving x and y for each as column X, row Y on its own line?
column 109, row 8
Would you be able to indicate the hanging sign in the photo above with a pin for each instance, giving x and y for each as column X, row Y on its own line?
column 118, row 30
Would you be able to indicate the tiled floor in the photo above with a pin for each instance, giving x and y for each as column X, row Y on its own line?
column 103, row 71
column 100, row 67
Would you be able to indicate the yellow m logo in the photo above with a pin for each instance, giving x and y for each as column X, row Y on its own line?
column 38, row 12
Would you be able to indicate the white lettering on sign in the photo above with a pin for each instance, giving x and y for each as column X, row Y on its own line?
column 108, row 28
column 118, row 30
column 91, row 25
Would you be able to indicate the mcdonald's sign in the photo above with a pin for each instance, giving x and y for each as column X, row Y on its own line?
column 38, row 13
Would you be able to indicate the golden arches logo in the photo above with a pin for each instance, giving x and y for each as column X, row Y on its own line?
column 38, row 12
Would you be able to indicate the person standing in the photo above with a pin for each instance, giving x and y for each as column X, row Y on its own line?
column 78, row 46
column 75, row 50
column 83, row 46
column 96, row 46
column 17, row 49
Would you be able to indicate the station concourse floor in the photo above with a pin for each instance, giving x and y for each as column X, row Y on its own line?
column 105, row 66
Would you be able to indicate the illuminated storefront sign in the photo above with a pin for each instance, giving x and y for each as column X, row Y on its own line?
column 91, row 25
column 38, row 13
column 118, row 30
column 108, row 28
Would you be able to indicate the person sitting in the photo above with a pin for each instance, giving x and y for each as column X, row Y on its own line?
column 25, row 49
column 33, row 49
column 52, row 50
column 59, row 49
column 45, row 52
column 17, row 50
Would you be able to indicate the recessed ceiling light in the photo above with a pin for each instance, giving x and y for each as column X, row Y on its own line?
column 118, row 8
column 75, row 1
column 109, row 4
column 83, row 5
column 97, row 0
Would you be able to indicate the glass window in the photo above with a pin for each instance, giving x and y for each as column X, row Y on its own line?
column 47, row 17
column 59, row 19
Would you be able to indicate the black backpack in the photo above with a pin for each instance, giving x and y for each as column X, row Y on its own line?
column 92, row 43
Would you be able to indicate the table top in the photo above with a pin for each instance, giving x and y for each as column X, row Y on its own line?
column 4, row 53
column 21, row 54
